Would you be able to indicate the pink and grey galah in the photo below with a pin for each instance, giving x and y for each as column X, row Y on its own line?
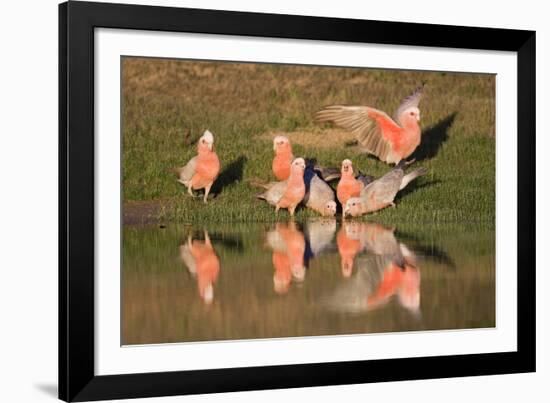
column 391, row 140
column 381, row 192
column 289, row 193
column 202, row 170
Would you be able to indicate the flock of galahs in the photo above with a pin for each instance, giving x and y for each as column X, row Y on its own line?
column 302, row 182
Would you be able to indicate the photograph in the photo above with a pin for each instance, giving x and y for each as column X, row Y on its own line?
column 264, row 200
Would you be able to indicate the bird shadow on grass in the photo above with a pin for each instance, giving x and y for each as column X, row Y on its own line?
column 230, row 174
column 433, row 138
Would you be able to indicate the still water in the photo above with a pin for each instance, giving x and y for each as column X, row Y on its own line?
column 321, row 277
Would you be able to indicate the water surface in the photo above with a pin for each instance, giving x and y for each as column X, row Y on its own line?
column 322, row 277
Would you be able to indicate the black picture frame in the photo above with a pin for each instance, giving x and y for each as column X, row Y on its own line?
column 77, row 379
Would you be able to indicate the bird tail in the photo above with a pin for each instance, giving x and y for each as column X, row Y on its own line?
column 403, row 164
column 258, row 183
column 175, row 171
column 261, row 196
column 328, row 174
column 365, row 179
column 412, row 176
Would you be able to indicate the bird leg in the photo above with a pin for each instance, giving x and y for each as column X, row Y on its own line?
column 291, row 210
column 277, row 209
column 190, row 190
column 206, row 191
column 207, row 238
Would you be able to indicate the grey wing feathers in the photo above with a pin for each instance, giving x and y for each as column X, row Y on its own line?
column 385, row 188
column 318, row 194
column 186, row 173
column 365, row 179
column 274, row 193
column 358, row 120
column 410, row 101
column 412, row 176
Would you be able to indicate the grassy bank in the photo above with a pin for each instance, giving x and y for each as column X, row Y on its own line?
column 167, row 104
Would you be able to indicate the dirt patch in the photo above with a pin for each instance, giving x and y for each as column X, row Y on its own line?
column 141, row 212
column 327, row 138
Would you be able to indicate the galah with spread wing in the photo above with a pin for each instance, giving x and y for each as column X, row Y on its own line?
column 203, row 169
column 284, row 157
column 391, row 140
column 381, row 192
column 289, row 193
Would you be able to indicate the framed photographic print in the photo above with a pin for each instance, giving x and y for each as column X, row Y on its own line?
column 258, row 201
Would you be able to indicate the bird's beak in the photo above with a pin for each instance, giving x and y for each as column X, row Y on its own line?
column 418, row 118
column 211, row 146
column 346, row 211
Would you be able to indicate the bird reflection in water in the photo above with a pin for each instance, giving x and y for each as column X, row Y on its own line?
column 203, row 263
column 350, row 241
column 387, row 269
column 288, row 245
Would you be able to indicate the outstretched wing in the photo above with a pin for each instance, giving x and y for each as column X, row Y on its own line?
column 373, row 129
column 411, row 101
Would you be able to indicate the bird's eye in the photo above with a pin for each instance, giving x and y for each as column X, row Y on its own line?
column 412, row 113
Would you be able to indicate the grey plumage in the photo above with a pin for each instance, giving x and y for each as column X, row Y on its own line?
column 381, row 192
column 411, row 101
column 186, row 172
column 318, row 192
column 274, row 191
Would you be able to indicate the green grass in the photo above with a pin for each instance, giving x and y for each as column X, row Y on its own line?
column 244, row 105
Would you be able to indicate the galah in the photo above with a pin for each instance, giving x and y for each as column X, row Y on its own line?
column 201, row 261
column 381, row 192
column 350, row 185
column 289, row 193
column 203, row 169
column 391, row 140
column 288, row 245
column 319, row 195
column 284, row 157
column 350, row 242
